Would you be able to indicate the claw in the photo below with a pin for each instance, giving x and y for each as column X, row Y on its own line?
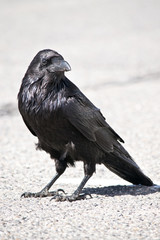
column 28, row 194
column 59, row 197
column 84, row 196
column 61, row 190
column 43, row 193
column 71, row 198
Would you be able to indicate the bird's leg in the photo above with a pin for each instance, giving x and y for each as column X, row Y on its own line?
column 89, row 168
column 45, row 191
column 60, row 168
column 77, row 193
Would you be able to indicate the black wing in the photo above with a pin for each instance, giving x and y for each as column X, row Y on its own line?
column 85, row 117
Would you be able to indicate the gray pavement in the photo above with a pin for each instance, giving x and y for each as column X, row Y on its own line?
column 114, row 51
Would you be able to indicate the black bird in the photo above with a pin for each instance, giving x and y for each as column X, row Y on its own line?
column 69, row 127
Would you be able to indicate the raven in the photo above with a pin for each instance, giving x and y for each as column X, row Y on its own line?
column 69, row 127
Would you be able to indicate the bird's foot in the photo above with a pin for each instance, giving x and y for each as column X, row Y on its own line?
column 43, row 193
column 70, row 198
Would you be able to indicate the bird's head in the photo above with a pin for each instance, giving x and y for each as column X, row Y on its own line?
column 48, row 62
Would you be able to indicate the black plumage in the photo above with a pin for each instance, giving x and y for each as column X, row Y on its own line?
column 68, row 126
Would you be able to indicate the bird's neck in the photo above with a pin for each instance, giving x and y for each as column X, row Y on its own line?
column 54, row 82
column 44, row 91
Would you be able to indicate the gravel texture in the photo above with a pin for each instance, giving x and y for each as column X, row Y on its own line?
column 113, row 49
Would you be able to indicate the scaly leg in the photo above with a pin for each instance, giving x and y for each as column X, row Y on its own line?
column 76, row 195
column 60, row 168
column 45, row 191
column 89, row 169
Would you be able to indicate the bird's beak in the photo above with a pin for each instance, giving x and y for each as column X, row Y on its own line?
column 59, row 65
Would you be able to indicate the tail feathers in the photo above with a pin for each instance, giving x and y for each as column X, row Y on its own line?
column 128, row 171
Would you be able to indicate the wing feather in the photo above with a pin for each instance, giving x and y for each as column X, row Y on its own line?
column 85, row 117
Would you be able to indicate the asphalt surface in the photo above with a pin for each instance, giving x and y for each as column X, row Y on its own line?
column 113, row 49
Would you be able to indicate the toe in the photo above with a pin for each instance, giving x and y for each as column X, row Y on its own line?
column 27, row 194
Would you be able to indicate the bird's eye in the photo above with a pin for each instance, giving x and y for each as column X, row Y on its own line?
column 44, row 61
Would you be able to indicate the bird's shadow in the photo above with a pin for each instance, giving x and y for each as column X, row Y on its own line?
column 120, row 190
